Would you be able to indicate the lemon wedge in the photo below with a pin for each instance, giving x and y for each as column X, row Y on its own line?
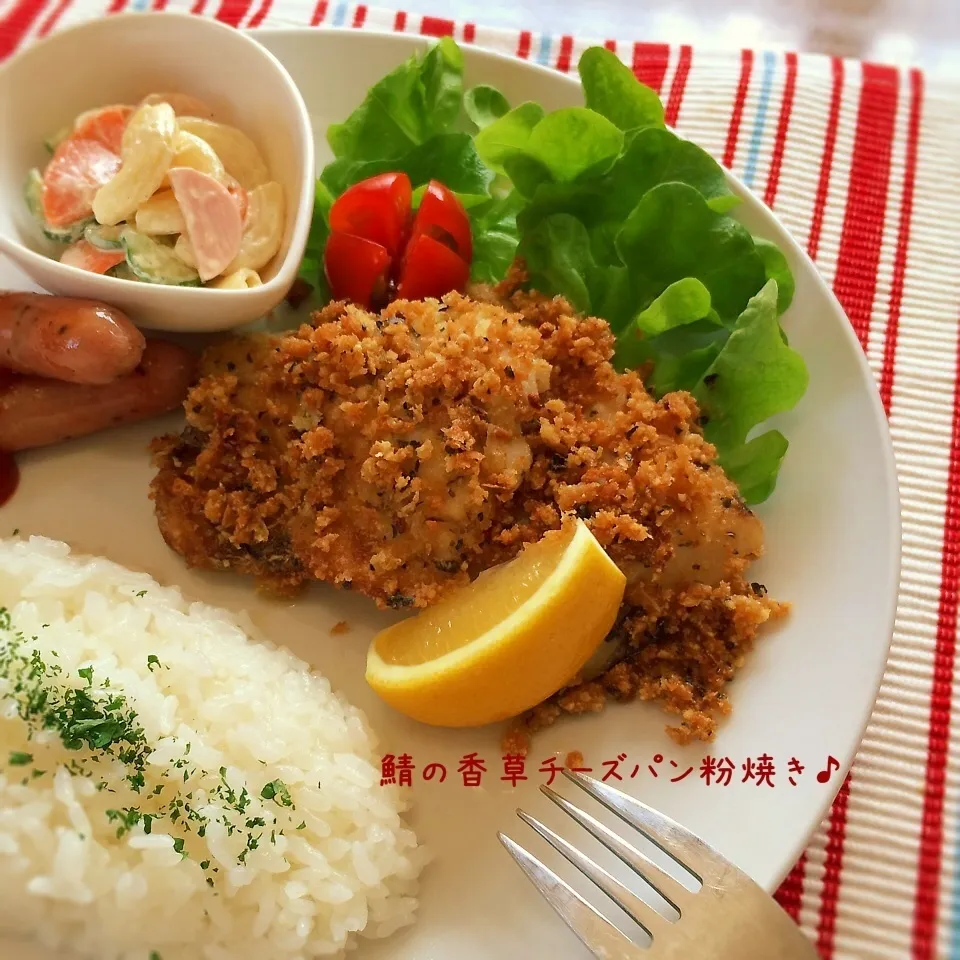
column 504, row 643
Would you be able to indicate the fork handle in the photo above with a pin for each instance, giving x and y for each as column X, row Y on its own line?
column 764, row 933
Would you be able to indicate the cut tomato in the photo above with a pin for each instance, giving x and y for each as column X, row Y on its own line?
column 356, row 268
column 106, row 126
column 441, row 216
column 373, row 244
column 77, row 170
column 376, row 209
column 431, row 269
column 85, row 256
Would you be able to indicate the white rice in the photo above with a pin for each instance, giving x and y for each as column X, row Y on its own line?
column 340, row 863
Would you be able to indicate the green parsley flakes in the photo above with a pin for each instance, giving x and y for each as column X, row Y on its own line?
column 100, row 728
column 276, row 790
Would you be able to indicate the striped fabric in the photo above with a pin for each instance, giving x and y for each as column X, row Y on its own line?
column 862, row 163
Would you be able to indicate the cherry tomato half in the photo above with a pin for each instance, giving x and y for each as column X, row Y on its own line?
column 441, row 216
column 430, row 269
column 376, row 209
column 356, row 269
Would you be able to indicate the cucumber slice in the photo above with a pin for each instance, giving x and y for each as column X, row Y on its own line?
column 122, row 272
column 68, row 234
column 103, row 237
column 32, row 192
column 155, row 262
column 51, row 143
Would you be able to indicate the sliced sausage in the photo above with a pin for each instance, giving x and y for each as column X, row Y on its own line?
column 35, row 412
column 81, row 341
column 212, row 216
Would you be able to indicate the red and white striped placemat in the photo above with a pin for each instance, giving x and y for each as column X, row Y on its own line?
column 862, row 163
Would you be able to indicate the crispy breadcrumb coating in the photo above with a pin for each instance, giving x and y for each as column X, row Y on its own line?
column 403, row 453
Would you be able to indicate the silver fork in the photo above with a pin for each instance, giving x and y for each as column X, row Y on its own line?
column 729, row 918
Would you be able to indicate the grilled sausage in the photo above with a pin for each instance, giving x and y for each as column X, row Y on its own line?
column 80, row 341
column 35, row 412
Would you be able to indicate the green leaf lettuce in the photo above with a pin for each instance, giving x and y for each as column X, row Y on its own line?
column 608, row 208
column 755, row 376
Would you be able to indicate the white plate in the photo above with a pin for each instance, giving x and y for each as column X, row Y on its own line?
column 833, row 551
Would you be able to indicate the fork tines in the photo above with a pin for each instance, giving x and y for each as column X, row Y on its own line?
column 596, row 932
column 722, row 914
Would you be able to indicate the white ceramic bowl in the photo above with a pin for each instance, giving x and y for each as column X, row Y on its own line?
column 121, row 59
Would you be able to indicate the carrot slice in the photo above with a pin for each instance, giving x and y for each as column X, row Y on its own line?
column 212, row 216
column 77, row 170
column 106, row 126
column 86, row 256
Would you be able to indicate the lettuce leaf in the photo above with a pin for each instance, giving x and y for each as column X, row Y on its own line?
column 671, row 236
column 562, row 146
column 755, row 376
column 441, row 75
column 611, row 89
column 558, row 259
column 652, row 157
column 311, row 266
column 776, row 267
column 755, row 465
column 685, row 301
column 412, row 103
column 484, row 105
column 527, row 173
column 672, row 233
column 574, row 142
column 450, row 158
column 740, row 376
column 680, row 356
column 608, row 208
column 495, row 237
column 507, row 136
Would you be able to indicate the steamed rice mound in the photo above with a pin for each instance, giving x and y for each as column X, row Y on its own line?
column 264, row 780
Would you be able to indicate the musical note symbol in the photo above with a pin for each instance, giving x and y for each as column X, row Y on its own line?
column 824, row 775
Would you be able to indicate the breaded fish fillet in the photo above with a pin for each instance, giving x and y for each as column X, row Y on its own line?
column 403, row 453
